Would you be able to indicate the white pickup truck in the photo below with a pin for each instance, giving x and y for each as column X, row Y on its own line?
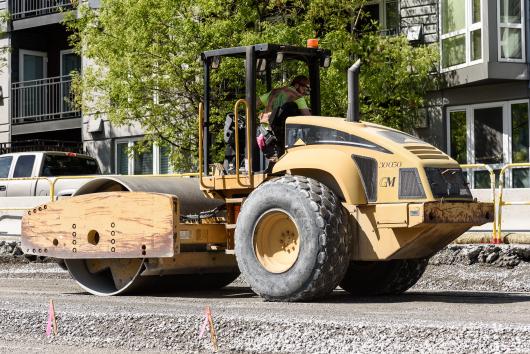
column 20, row 189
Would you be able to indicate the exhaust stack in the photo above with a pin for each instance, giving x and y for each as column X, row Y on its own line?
column 353, row 92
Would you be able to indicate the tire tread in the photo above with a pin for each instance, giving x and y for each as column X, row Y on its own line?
column 333, row 258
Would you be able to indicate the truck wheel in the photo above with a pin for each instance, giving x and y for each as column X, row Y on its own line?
column 383, row 277
column 292, row 239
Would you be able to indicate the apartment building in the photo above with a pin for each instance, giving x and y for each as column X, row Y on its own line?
column 36, row 77
column 481, row 114
column 36, row 109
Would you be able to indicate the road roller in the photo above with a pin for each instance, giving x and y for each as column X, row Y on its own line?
column 342, row 203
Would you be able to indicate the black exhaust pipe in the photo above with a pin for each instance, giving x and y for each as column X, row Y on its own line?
column 353, row 92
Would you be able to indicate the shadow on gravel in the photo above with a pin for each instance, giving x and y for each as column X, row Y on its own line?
column 224, row 293
column 341, row 297
column 438, row 296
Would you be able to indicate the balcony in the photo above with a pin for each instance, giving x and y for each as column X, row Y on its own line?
column 21, row 9
column 43, row 100
column 41, row 145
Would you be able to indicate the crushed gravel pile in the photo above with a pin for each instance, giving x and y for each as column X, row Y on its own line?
column 504, row 268
column 10, row 250
column 506, row 255
column 11, row 253
column 267, row 334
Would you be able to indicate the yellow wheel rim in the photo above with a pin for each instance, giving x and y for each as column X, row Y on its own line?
column 276, row 241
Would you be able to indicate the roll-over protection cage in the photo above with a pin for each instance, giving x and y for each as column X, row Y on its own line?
column 259, row 57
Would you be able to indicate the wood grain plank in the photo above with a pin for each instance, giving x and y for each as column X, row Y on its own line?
column 103, row 225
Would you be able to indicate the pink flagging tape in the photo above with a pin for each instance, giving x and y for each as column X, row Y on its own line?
column 208, row 320
column 52, row 322
column 49, row 326
column 204, row 324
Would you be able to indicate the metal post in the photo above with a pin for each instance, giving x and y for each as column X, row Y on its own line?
column 206, row 123
column 314, row 80
column 251, row 101
column 353, row 92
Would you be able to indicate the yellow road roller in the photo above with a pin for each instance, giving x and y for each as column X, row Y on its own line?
column 342, row 203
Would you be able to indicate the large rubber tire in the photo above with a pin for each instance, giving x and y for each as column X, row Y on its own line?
column 322, row 226
column 383, row 277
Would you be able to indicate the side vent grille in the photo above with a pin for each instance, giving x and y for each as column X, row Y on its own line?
column 427, row 152
column 409, row 184
column 368, row 168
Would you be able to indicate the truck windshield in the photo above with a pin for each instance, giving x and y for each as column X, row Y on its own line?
column 58, row 165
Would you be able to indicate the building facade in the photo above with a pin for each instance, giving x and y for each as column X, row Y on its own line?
column 36, row 106
column 480, row 114
column 36, row 77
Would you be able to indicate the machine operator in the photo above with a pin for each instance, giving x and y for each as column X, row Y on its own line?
column 281, row 103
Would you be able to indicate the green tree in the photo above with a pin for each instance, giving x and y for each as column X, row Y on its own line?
column 146, row 69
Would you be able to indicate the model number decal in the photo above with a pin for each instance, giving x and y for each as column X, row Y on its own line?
column 389, row 164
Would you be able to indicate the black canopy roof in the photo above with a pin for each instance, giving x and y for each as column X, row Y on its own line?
column 269, row 51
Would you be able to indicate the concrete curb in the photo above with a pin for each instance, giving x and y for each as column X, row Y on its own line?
column 486, row 237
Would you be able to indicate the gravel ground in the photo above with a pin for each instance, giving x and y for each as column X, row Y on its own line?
column 424, row 321
column 467, row 301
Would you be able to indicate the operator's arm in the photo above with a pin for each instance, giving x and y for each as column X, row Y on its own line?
column 262, row 101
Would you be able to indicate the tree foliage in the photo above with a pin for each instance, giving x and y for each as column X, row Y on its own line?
column 147, row 69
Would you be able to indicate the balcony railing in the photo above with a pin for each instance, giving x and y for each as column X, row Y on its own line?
column 30, row 8
column 42, row 100
column 41, row 145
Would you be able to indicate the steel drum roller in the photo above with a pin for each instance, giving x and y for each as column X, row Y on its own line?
column 117, row 276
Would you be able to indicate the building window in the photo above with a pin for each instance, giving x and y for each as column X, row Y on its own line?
column 511, row 34
column 155, row 160
column 492, row 134
column 461, row 33
column 520, row 144
column 386, row 13
column 163, row 160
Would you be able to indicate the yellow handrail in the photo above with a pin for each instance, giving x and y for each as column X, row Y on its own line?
column 201, row 157
column 248, row 137
column 491, row 172
column 501, row 202
column 492, row 186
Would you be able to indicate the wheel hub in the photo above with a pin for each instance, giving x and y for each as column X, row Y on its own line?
column 276, row 241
